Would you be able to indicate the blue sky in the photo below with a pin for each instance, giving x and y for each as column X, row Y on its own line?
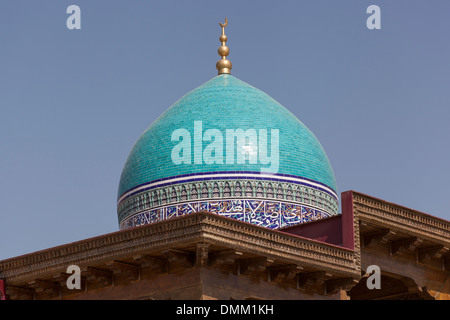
column 73, row 102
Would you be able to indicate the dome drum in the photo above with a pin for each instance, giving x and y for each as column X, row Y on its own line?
column 275, row 203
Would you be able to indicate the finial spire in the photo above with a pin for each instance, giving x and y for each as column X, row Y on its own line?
column 223, row 65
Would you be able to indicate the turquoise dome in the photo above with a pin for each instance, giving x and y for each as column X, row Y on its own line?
column 222, row 103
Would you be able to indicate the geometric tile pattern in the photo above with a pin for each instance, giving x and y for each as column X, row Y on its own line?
column 273, row 204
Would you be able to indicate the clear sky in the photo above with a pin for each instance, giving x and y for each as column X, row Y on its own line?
column 73, row 102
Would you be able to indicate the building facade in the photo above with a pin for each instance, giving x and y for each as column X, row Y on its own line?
column 227, row 195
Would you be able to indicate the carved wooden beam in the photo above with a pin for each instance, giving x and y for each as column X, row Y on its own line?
column 332, row 286
column 201, row 258
column 278, row 274
column 408, row 243
column 376, row 237
column 254, row 265
column 425, row 254
column 223, row 258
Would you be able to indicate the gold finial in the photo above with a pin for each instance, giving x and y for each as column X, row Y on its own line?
column 223, row 65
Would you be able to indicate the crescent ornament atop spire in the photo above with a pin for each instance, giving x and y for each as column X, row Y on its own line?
column 225, row 24
column 223, row 65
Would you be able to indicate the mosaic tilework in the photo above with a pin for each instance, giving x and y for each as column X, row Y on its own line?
column 225, row 102
column 221, row 187
column 153, row 188
column 269, row 214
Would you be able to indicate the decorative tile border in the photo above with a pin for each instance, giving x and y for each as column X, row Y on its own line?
column 202, row 187
column 215, row 191
column 220, row 175
column 269, row 214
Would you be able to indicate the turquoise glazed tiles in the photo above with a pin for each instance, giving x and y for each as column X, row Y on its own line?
column 222, row 103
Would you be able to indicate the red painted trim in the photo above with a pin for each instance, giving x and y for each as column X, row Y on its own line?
column 348, row 228
column 328, row 230
column 2, row 289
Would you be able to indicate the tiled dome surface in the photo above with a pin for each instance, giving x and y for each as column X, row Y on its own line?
column 225, row 102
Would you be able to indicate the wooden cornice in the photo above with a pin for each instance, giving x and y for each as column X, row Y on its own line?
column 396, row 218
column 167, row 235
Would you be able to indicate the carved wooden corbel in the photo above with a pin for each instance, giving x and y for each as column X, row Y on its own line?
column 201, row 254
column 305, row 280
column 408, row 243
column 332, row 286
column 45, row 286
column 376, row 237
column 20, row 293
column 103, row 277
column 222, row 258
column 254, row 265
column 180, row 258
column 156, row 264
column 62, row 280
column 130, row 271
column 425, row 254
column 278, row 274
